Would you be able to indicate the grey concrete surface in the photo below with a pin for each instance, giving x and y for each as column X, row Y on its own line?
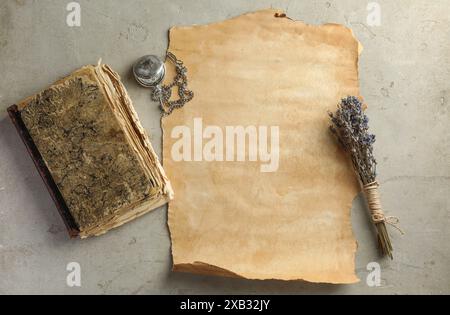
column 404, row 77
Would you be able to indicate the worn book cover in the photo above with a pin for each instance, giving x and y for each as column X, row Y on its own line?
column 91, row 151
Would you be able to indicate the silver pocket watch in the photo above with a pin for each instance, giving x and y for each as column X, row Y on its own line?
column 149, row 71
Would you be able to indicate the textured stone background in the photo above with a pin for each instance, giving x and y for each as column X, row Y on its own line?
column 404, row 76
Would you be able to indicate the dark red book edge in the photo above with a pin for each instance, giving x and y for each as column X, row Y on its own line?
column 52, row 188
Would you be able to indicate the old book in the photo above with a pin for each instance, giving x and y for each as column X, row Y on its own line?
column 91, row 151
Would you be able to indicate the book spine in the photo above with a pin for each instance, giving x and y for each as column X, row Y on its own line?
column 52, row 188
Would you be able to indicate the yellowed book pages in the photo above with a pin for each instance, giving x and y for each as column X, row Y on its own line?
column 262, row 189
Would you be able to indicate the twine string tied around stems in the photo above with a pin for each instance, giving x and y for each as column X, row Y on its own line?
column 376, row 211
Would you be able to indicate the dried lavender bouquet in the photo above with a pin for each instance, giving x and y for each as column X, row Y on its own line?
column 350, row 125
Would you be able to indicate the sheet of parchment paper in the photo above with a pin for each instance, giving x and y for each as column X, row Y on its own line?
column 231, row 218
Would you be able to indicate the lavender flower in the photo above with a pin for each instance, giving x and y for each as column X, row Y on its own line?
column 351, row 127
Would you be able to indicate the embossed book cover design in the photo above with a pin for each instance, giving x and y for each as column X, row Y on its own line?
column 92, row 151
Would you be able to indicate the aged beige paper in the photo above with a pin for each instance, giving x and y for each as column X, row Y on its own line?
column 250, row 216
